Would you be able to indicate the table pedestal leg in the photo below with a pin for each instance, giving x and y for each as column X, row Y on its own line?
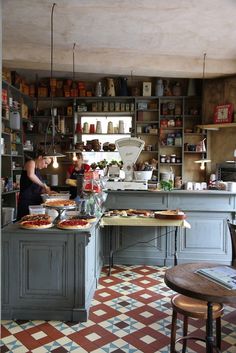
column 175, row 254
column 209, row 329
column 110, row 251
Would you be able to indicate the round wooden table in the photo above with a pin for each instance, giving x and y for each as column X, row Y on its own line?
column 184, row 280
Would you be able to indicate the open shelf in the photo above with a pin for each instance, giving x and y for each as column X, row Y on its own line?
column 216, row 126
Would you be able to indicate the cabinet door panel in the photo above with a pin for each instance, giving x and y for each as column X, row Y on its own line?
column 5, row 272
column 201, row 201
column 139, row 200
column 139, row 245
column 207, row 239
column 45, row 271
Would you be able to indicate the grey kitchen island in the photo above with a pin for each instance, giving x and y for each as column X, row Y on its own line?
column 208, row 239
column 49, row 274
column 52, row 274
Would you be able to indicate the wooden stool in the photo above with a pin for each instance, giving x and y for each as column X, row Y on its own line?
column 194, row 308
column 232, row 230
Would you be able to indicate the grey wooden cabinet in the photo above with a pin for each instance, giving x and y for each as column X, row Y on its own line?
column 49, row 274
column 207, row 240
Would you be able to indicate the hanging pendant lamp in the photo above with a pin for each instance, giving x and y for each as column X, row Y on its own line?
column 203, row 160
column 52, row 153
column 73, row 151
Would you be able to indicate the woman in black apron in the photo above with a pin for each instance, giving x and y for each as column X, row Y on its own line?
column 78, row 168
column 31, row 184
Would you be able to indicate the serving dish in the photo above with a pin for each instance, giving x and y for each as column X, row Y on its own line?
column 170, row 214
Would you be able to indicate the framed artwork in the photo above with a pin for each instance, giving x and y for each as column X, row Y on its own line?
column 223, row 113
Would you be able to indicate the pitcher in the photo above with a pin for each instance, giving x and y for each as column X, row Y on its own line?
column 99, row 89
column 110, row 88
column 122, row 86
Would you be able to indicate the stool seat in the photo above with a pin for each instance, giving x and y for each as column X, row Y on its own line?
column 193, row 308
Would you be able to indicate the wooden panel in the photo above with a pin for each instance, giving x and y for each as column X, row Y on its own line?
column 141, row 245
column 136, row 199
column 45, row 272
column 208, row 238
column 5, row 273
column 202, row 201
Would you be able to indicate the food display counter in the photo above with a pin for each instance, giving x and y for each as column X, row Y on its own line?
column 207, row 240
column 49, row 274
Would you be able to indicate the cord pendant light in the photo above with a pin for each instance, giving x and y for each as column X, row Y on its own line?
column 203, row 160
column 52, row 153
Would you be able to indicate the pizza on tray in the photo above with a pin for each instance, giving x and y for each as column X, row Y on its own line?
column 85, row 217
column 36, row 224
column 60, row 203
column 73, row 224
column 36, row 217
column 170, row 214
column 128, row 213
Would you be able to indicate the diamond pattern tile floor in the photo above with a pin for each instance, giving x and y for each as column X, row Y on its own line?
column 130, row 313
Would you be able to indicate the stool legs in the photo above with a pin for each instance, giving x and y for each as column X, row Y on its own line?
column 185, row 332
column 173, row 332
column 218, row 333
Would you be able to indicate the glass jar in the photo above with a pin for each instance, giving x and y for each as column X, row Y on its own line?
column 162, row 158
column 173, row 158
column 167, row 159
column 178, row 140
column 171, row 122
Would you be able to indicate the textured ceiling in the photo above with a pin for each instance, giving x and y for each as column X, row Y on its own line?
column 145, row 37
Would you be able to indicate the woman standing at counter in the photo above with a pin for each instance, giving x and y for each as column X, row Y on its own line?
column 78, row 168
column 31, row 183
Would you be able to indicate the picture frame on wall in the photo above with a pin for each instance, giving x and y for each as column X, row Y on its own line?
column 223, row 113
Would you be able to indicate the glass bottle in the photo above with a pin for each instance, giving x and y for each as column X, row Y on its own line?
column 159, row 89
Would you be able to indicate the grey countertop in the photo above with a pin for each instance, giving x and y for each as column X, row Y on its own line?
column 181, row 191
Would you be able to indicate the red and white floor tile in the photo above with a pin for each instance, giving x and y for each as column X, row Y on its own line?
column 130, row 313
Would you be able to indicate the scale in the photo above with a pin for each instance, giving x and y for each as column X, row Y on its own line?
column 129, row 149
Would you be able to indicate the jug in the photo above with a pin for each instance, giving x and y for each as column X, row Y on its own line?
column 110, row 88
column 110, row 127
column 86, row 128
column 99, row 89
column 121, row 128
column 159, row 89
column 99, row 127
column 122, row 86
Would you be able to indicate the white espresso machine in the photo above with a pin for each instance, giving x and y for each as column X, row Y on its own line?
column 129, row 149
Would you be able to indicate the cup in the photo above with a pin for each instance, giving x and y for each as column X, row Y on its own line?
column 92, row 129
column 121, row 127
column 78, row 128
column 86, row 128
column 54, row 179
column 189, row 185
column 98, row 127
column 110, row 128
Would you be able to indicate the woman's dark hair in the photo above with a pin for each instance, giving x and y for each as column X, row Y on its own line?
column 34, row 154
column 79, row 155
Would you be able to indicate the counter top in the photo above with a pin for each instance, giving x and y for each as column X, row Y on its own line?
column 15, row 228
column 174, row 191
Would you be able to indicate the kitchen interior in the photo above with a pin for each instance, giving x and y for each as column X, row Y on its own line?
column 173, row 107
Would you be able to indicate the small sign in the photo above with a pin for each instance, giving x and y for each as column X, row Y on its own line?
column 223, row 113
